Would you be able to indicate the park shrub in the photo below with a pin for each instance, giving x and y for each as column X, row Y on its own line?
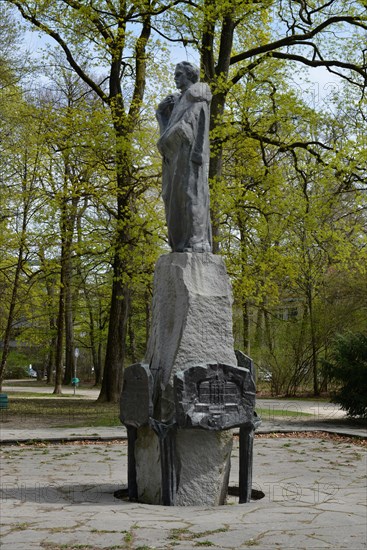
column 348, row 367
column 16, row 365
column 16, row 372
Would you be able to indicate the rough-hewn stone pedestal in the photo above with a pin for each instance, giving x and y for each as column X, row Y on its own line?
column 201, row 470
column 181, row 401
column 191, row 320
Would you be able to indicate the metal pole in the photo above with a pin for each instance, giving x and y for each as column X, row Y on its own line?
column 76, row 354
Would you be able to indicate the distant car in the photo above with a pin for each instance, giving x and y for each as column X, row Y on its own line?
column 265, row 375
column 32, row 373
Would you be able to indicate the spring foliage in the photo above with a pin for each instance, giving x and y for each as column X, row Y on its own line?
column 348, row 367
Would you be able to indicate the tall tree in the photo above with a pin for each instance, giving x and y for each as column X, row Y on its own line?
column 287, row 201
column 19, row 180
column 240, row 44
column 102, row 31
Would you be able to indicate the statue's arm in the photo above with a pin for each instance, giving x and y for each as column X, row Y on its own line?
column 164, row 111
column 190, row 128
column 200, row 134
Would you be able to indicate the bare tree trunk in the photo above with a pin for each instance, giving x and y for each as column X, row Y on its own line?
column 95, row 343
column 148, row 307
column 132, row 339
column 246, row 326
column 16, row 281
column 61, row 312
column 99, row 369
column 259, row 328
column 92, row 340
column 315, row 370
column 50, row 283
column 51, row 360
column 60, row 339
column 68, row 227
column 116, row 341
column 9, row 323
column 212, row 74
column 69, row 321
column 121, row 293
column 124, row 125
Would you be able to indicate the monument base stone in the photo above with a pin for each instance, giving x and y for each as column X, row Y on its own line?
column 191, row 321
column 180, row 404
column 202, row 467
column 148, row 466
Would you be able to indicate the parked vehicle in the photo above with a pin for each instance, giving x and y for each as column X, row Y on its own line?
column 31, row 372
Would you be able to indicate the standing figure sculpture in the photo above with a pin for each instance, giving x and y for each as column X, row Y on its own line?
column 184, row 145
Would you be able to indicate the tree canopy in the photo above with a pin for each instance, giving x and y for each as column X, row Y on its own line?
column 83, row 221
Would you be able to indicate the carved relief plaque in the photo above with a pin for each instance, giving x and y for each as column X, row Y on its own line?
column 214, row 397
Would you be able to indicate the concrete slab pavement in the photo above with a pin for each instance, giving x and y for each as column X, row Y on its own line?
column 33, row 387
column 56, row 435
column 61, row 496
column 57, row 497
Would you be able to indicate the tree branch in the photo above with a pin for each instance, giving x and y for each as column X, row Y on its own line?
column 283, row 147
column 323, row 63
column 102, row 29
column 297, row 38
column 73, row 63
column 140, row 70
column 153, row 12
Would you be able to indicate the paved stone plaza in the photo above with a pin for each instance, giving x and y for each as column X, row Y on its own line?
column 61, row 496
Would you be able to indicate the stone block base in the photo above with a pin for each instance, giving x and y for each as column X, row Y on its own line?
column 180, row 404
column 199, row 469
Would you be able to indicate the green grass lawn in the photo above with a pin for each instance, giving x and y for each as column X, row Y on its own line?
column 294, row 398
column 39, row 394
column 266, row 413
column 70, row 412
column 32, row 383
column 60, row 412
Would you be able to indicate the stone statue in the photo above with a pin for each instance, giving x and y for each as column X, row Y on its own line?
column 184, row 145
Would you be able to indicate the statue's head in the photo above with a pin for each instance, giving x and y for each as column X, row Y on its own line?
column 186, row 74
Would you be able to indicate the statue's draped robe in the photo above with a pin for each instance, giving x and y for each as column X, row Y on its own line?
column 184, row 145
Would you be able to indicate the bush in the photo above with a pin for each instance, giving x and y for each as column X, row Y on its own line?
column 15, row 372
column 348, row 366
